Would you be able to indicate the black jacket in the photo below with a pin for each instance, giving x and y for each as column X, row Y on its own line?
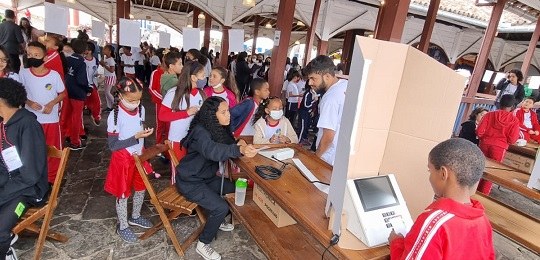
column 468, row 131
column 30, row 180
column 76, row 78
column 201, row 162
column 518, row 95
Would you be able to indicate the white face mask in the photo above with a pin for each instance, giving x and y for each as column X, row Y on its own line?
column 254, row 60
column 67, row 54
column 276, row 115
column 217, row 86
column 130, row 106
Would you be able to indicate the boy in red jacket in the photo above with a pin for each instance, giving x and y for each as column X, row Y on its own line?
column 497, row 130
column 528, row 121
column 454, row 226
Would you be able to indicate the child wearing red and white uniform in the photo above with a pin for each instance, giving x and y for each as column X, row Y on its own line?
column 45, row 90
column 222, row 84
column 454, row 226
column 53, row 60
column 93, row 102
column 271, row 127
column 242, row 114
column 528, row 121
column 126, row 133
column 109, row 72
column 180, row 104
column 497, row 130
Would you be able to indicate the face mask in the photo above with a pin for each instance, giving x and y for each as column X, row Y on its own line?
column 34, row 63
column 130, row 106
column 67, row 53
column 276, row 115
column 217, row 86
column 254, row 60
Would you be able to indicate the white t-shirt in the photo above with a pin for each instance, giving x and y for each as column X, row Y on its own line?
column 285, row 84
column 331, row 109
column 110, row 63
column 510, row 89
column 127, row 125
column 14, row 76
column 128, row 60
column 180, row 127
column 222, row 94
column 292, row 88
column 249, row 130
column 527, row 119
column 43, row 89
column 154, row 60
column 91, row 71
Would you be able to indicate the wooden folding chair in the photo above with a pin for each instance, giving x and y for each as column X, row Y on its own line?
column 46, row 211
column 168, row 199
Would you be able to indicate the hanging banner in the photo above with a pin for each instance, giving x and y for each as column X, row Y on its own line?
column 164, row 40
column 192, row 38
column 98, row 29
column 236, row 40
column 56, row 19
column 130, row 33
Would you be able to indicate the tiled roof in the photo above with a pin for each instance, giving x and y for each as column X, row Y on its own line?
column 467, row 8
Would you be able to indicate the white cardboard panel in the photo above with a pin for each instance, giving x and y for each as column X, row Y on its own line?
column 164, row 40
column 192, row 38
column 98, row 29
column 236, row 40
column 56, row 19
column 130, row 33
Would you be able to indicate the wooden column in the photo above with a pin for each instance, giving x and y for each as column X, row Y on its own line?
column 110, row 34
column 120, row 9
column 279, row 53
column 50, row 1
column 380, row 14
column 348, row 46
column 392, row 22
column 75, row 17
column 530, row 51
column 207, row 27
column 485, row 48
column 196, row 13
column 429, row 24
column 255, row 35
column 311, row 32
column 225, row 46
column 322, row 47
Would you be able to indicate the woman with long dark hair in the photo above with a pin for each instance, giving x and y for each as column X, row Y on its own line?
column 30, row 33
column 196, row 55
column 209, row 141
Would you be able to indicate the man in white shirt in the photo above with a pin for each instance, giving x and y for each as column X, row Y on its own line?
column 322, row 77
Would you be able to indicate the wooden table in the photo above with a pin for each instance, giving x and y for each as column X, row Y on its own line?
column 528, row 150
column 303, row 201
column 510, row 178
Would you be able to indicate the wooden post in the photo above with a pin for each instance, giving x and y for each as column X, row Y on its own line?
column 279, row 53
column 50, row 1
column 75, row 17
column 255, row 35
column 225, row 46
column 119, row 14
column 110, row 34
column 348, row 46
column 311, row 32
column 429, row 24
column 485, row 48
column 207, row 27
column 196, row 13
column 530, row 51
column 322, row 47
column 394, row 14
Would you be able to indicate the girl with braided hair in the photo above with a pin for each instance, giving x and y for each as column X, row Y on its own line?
column 126, row 135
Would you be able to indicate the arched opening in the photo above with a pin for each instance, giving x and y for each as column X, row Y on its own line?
column 467, row 62
column 533, row 70
column 264, row 45
column 436, row 52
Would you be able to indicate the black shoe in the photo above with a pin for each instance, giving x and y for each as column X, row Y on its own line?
column 96, row 122
column 76, row 147
column 84, row 137
column 107, row 110
column 67, row 140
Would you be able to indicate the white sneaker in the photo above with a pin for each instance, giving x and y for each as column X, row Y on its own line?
column 207, row 252
column 11, row 255
column 226, row 227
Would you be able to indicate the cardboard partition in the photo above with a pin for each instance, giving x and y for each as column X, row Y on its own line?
column 403, row 103
column 520, row 162
column 270, row 208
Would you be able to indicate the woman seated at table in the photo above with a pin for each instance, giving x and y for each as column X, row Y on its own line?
column 209, row 141
column 23, row 164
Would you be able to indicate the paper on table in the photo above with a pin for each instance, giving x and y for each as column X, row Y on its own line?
column 310, row 176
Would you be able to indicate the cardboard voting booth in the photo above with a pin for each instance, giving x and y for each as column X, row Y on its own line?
column 403, row 103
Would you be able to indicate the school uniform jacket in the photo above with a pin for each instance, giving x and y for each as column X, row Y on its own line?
column 498, row 128
column 228, row 95
column 240, row 115
column 76, row 78
column 30, row 180
column 447, row 229
column 53, row 61
column 520, row 115
column 155, row 85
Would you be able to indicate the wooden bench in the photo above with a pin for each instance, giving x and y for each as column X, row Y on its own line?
column 510, row 178
column 288, row 242
column 519, row 227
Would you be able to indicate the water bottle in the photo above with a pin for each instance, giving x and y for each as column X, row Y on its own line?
column 240, row 193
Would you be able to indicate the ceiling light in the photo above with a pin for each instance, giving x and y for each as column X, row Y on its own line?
column 71, row 1
column 249, row 3
column 189, row 26
column 297, row 42
column 131, row 16
column 300, row 23
column 201, row 16
column 268, row 25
